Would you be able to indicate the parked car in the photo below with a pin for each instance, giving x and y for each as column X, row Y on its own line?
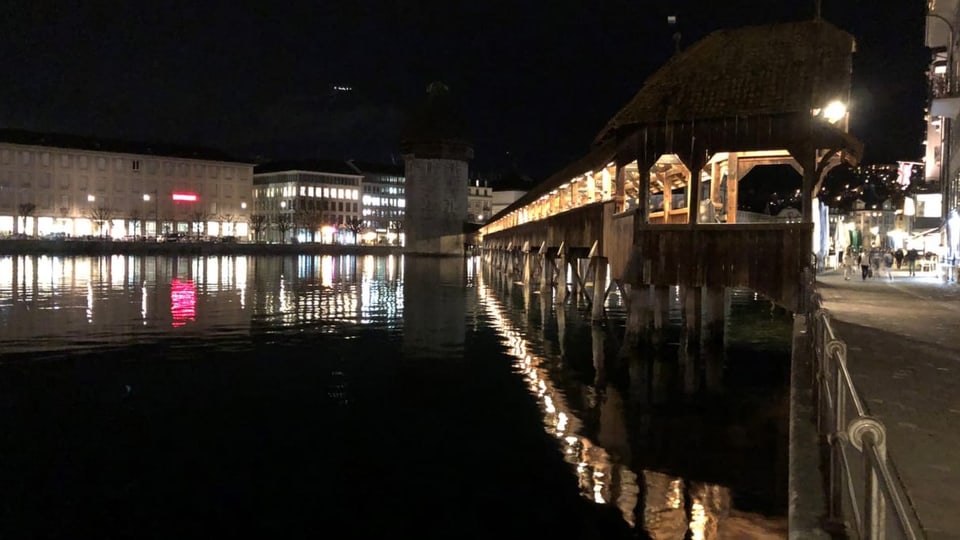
column 175, row 237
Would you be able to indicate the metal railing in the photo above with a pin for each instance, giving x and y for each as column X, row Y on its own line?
column 864, row 494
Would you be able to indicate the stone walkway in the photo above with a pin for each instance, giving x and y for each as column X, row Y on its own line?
column 903, row 341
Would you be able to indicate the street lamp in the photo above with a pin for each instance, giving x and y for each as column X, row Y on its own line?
column 834, row 111
column 156, row 212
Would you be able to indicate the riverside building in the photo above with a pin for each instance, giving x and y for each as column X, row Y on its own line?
column 67, row 185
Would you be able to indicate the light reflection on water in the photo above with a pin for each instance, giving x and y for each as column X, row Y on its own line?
column 91, row 302
column 51, row 305
column 601, row 455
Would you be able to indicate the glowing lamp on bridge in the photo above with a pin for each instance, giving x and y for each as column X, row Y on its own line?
column 834, row 111
column 182, row 196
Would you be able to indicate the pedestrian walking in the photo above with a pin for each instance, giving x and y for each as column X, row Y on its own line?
column 898, row 255
column 847, row 263
column 864, row 260
column 912, row 256
column 886, row 265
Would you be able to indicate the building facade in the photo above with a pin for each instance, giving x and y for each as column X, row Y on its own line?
column 383, row 203
column 310, row 201
column 479, row 203
column 943, row 140
column 53, row 184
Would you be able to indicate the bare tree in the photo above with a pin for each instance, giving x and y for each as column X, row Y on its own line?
column 136, row 218
column 397, row 227
column 226, row 218
column 199, row 220
column 310, row 220
column 101, row 216
column 258, row 223
column 284, row 223
column 25, row 210
column 355, row 225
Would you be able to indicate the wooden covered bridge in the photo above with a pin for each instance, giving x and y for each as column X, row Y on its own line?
column 654, row 203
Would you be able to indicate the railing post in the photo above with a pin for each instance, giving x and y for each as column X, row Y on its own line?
column 866, row 434
column 833, row 352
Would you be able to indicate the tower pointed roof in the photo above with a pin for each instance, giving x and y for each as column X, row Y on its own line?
column 437, row 126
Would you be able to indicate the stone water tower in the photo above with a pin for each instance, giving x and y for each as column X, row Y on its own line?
column 436, row 152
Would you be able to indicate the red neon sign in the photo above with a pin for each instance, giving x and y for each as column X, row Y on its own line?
column 185, row 196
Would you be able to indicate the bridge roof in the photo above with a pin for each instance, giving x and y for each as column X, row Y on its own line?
column 765, row 69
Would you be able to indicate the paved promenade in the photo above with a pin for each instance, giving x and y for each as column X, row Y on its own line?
column 903, row 339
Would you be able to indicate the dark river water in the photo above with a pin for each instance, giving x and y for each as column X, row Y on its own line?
column 372, row 397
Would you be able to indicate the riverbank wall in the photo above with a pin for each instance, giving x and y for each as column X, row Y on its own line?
column 108, row 247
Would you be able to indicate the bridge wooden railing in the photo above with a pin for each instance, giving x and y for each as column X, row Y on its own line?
column 578, row 227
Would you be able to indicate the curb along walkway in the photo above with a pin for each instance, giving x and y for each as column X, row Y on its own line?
column 903, row 350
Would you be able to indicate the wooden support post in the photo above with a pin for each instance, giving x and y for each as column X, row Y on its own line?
column 527, row 296
column 562, row 274
column 597, row 339
column 618, row 189
column 527, row 265
column 733, row 176
column 694, row 162
column 661, row 306
column 645, row 157
column 562, row 330
column 809, row 181
column 638, row 315
column 714, row 182
column 714, row 321
column 576, row 283
column 546, row 270
column 599, row 287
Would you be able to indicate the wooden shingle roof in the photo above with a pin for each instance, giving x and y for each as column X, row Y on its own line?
column 766, row 69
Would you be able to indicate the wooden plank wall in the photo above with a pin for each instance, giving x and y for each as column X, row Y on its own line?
column 767, row 258
column 617, row 240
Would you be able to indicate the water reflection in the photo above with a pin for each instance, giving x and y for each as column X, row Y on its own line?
column 599, row 476
column 620, row 448
column 433, row 325
column 59, row 303
column 293, row 334
column 183, row 302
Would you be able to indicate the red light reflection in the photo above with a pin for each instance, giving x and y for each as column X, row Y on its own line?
column 183, row 302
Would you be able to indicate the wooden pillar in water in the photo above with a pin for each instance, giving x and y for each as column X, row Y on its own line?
column 546, row 270
column 714, row 322
column 562, row 274
column 527, row 264
column 599, row 287
column 575, row 287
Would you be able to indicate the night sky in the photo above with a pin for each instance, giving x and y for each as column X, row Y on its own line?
column 536, row 80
